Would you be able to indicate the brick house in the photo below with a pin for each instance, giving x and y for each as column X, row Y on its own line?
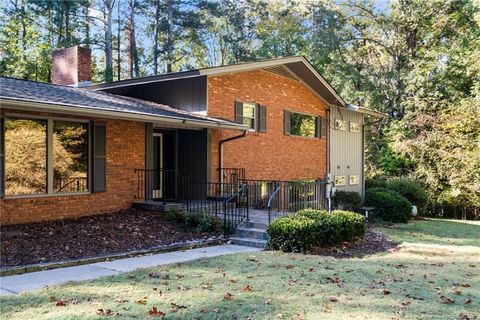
column 72, row 149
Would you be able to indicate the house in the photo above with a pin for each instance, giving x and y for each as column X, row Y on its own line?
column 71, row 149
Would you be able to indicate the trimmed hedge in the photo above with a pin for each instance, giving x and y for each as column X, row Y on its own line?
column 301, row 231
column 347, row 200
column 389, row 205
column 410, row 190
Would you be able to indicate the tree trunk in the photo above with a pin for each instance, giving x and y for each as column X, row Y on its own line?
column 169, row 35
column 107, row 14
column 134, row 68
column 119, row 27
column 156, row 35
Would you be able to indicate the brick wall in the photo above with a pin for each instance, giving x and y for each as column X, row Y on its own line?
column 125, row 152
column 71, row 66
column 270, row 155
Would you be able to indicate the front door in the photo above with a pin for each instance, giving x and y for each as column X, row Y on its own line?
column 157, row 166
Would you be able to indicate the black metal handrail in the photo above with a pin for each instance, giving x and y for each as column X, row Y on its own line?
column 235, row 210
column 157, row 184
column 269, row 204
column 294, row 196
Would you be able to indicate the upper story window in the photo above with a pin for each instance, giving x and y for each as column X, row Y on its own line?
column 44, row 156
column 249, row 111
column 300, row 124
column 252, row 115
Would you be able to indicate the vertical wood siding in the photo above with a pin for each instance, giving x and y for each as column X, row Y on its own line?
column 346, row 148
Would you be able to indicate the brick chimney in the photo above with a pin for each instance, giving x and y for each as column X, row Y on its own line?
column 72, row 66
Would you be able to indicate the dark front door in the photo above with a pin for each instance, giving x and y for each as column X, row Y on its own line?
column 158, row 176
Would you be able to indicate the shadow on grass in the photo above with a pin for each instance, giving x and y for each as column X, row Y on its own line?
column 435, row 232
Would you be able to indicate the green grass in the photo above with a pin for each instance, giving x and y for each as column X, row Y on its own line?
column 406, row 284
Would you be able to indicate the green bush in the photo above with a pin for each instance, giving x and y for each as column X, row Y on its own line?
column 389, row 205
column 202, row 222
column 208, row 223
column 292, row 234
column 410, row 190
column 379, row 182
column 301, row 231
column 347, row 200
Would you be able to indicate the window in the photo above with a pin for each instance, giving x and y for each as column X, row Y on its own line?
column 25, row 156
column 44, row 156
column 340, row 125
column 249, row 115
column 70, row 156
column 354, row 127
column 299, row 124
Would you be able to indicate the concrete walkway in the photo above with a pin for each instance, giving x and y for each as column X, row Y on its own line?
column 16, row 284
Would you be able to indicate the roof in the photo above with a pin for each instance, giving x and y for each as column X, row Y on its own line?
column 297, row 68
column 50, row 97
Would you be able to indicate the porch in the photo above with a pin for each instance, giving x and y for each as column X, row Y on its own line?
column 234, row 200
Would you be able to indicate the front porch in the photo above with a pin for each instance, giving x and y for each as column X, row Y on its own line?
column 236, row 201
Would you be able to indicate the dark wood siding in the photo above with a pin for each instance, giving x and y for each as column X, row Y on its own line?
column 189, row 94
column 192, row 154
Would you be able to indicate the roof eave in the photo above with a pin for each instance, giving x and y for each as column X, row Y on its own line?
column 32, row 105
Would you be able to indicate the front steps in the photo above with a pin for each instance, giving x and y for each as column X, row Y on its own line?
column 251, row 234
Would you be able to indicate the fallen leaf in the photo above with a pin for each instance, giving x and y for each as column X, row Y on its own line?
column 104, row 313
column 333, row 299
column 384, row 291
column 311, row 270
column 269, row 301
column 175, row 307
column 247, row 288
column 233, row 280
column 252, row 259
column 289, row 266
column 228, row 296
column 446, row 300
column 142, row 301
column 156, row 313
column 206, row 286
column 60, row 303
column 468, row 301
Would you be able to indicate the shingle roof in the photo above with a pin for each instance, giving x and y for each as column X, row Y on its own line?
column 45, row 93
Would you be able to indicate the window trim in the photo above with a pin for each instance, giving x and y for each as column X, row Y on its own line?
column 255, row 117
column 49, row 187
column 305, row 114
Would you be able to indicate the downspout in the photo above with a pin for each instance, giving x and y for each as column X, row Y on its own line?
column 328, row 164
column 220, row 150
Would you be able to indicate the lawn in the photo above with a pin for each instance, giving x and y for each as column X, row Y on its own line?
column 434, row 275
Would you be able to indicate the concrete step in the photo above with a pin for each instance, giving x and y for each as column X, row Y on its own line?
column 253, row 224
column 157, row 206
column 249, row 242
column 253, row 233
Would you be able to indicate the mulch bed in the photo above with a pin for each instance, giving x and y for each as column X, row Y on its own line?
column 373, row 242
column 92, row 236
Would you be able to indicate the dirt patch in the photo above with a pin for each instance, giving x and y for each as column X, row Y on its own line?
column 373, row 242
column 90, row 236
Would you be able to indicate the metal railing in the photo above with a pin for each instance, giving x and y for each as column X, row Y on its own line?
column 291, row 197
column 235, row 210
column 70, row 184
column 231, row 175
column 227, row 201
column 155, row 184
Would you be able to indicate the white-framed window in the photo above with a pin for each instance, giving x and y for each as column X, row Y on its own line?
column 45, row 155
column 249, row 115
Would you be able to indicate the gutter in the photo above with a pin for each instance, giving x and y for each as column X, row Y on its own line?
column 220, row 149
column 30, row 105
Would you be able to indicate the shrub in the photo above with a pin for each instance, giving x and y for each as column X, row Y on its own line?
column 389, row 205
column 301, row 231
column 202, row 222
column 347, row 200
column 410, row 190
column 378, row 182
column 291, row 234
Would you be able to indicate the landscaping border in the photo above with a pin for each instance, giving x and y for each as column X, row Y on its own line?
column 129, row 254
